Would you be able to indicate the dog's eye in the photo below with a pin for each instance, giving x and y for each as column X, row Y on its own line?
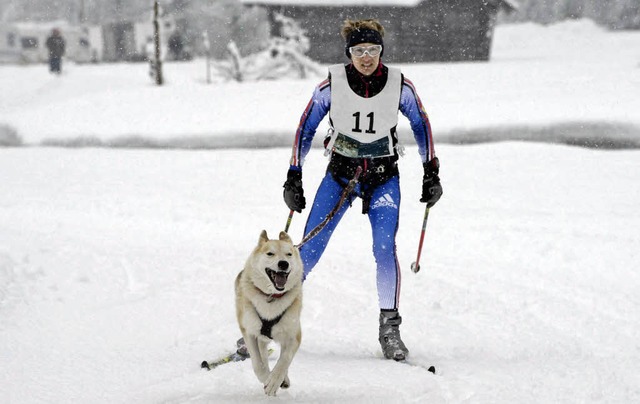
column 270, row 254
column 289, row 255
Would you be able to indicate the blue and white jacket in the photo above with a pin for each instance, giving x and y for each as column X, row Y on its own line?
column 410, row 106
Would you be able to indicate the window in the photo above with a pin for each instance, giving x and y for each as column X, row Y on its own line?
column 29, row 42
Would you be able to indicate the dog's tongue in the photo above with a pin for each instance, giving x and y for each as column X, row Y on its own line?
column 279, row 280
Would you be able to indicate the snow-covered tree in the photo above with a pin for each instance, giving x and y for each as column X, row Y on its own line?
column 283, row 56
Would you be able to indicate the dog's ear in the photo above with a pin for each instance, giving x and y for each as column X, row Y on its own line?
column 263, row 237
column 285, row 237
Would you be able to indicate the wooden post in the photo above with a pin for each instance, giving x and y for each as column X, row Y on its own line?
column 207, row 46
column 156, row 41
column 81, row 13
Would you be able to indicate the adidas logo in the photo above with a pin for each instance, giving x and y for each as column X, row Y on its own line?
column 384, row 201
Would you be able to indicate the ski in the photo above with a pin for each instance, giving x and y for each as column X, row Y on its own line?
column 431, row 369
column 233, row 357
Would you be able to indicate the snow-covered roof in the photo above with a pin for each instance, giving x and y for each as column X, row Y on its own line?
column 31, row 25
column 401, row 3
column 513, row 4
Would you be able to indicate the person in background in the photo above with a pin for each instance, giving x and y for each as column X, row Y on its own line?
column 176, row 46
column 56, row 46
column 362, row 99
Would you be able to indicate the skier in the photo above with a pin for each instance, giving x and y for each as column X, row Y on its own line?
column 362, row 99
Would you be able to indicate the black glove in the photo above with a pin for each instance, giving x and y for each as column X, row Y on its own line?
column 431, row 188
column 293, row 192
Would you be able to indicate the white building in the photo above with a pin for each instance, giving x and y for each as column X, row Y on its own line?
column 126, row 40
column 24, row 42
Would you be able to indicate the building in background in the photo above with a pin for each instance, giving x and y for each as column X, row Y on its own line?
column 24, row 42
column 416, row 30
column 127, row 40
column 126, row 36
column 124, row 40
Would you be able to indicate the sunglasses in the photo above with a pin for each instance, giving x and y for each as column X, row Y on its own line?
column 359, row 51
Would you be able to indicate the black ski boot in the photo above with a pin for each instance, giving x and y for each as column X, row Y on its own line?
column 389, row 336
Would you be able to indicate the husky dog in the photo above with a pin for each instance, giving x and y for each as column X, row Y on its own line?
column 268, row 307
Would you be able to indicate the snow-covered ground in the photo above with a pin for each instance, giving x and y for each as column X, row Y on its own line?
column 571, row 82
column 117, row 266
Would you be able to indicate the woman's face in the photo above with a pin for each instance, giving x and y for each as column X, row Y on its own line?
column 366, row 64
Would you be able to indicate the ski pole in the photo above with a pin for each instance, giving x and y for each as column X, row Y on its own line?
column 286, row 228
column 415, row 267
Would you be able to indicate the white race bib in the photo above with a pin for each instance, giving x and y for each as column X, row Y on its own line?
column 363, row 126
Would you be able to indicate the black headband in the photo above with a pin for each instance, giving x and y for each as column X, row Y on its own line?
column 363, row 35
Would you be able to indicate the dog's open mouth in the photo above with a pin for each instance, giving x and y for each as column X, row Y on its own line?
column 278, row 278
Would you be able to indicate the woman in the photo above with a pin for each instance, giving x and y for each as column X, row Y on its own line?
column 362, row 99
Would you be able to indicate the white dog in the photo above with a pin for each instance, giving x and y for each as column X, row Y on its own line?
column 268, row 307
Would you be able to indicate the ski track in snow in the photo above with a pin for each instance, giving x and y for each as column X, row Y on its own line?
column 117, row 268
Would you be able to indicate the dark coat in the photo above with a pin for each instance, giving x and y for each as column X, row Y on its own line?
column 55, row 44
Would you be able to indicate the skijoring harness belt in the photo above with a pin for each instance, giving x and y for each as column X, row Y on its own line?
column 375, row 172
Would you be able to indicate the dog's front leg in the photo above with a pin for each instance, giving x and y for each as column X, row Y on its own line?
column 263, row 347
column 260, row 364
column 279, row 375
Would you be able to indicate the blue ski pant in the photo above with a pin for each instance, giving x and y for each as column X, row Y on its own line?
column 383, row 216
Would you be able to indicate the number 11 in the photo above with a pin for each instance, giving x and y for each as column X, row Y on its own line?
column 357, row 127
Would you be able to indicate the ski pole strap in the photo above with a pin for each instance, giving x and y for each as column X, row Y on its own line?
column 345, row 194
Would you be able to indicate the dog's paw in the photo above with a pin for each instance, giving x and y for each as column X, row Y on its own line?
column 273, row 384
column 285, row 383
column 271, row 389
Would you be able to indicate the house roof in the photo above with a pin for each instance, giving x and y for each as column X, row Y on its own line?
column 508, row 4
column 400, row 3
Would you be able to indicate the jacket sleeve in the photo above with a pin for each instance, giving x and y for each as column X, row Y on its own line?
column 412, row 108
column 313, row 114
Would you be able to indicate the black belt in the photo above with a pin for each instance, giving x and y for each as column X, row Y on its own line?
column 376, row 171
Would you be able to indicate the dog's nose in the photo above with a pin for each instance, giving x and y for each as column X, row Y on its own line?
column 283, row 265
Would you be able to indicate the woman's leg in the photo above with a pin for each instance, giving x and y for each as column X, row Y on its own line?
column 384, row 215
column 327, row 197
